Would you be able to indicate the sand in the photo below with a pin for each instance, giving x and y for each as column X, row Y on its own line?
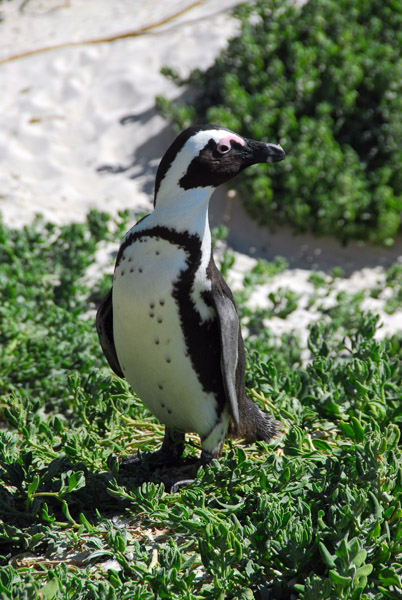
column 61, row 110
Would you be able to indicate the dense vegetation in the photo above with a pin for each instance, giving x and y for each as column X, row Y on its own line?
column 316, row 514
column 325, row 80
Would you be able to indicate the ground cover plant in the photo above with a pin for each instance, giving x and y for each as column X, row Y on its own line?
column 325, row 80
column 315, row 514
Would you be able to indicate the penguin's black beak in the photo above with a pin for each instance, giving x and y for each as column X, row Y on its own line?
column 260, row 152
column 275, row 153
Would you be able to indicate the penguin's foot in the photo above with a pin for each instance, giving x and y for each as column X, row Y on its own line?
column 160, row 467
column 148, row 459
column 191, row 467
column 174, row 488
column 169, row 454
column 167, row 464
column 177, row 477
column 207, row 456
column 132, row 461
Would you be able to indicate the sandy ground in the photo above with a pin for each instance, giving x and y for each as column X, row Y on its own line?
column 78, row 80
column 61, row 110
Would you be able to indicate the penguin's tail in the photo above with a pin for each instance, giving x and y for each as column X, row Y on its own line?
column 254, row 425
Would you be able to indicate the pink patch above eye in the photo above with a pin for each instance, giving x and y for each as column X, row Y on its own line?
column 225, row 141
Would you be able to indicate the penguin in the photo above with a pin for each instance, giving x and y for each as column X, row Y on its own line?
column 169, row 324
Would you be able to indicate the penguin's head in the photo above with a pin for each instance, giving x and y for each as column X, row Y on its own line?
column 204, row 156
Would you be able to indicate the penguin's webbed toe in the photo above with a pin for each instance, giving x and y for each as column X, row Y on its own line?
column 160, row 458
column 131, row 462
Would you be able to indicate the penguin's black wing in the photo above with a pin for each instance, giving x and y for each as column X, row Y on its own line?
column 104, row 327
column 229, row 328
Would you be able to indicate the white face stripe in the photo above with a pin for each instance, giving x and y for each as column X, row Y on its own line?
column 201, row 139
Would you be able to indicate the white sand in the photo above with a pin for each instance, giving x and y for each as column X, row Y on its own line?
column 60, row 112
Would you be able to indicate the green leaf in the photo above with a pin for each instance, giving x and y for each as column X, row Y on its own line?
column 388, row 576
column 76, row 481
column 87, row 525
column 322, row 446
column 66, row 512
column 33, row 486
column 50, row 589
column 358, row 430
column 378, row 510
column 339, row 579
column 327, row 557
column 360, row 557
column 364, row 571
column 376, row 530
column 347, row 429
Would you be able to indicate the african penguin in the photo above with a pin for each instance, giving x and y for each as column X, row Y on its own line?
column 169, row 324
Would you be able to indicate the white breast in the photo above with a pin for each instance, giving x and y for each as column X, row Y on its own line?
column 149, row 341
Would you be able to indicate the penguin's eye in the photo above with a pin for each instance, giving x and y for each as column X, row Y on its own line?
column 223, row 148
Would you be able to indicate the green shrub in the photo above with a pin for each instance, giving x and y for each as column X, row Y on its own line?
column 325, row 80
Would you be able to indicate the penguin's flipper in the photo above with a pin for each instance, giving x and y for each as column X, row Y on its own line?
column 229, row 327
column 104, row 327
